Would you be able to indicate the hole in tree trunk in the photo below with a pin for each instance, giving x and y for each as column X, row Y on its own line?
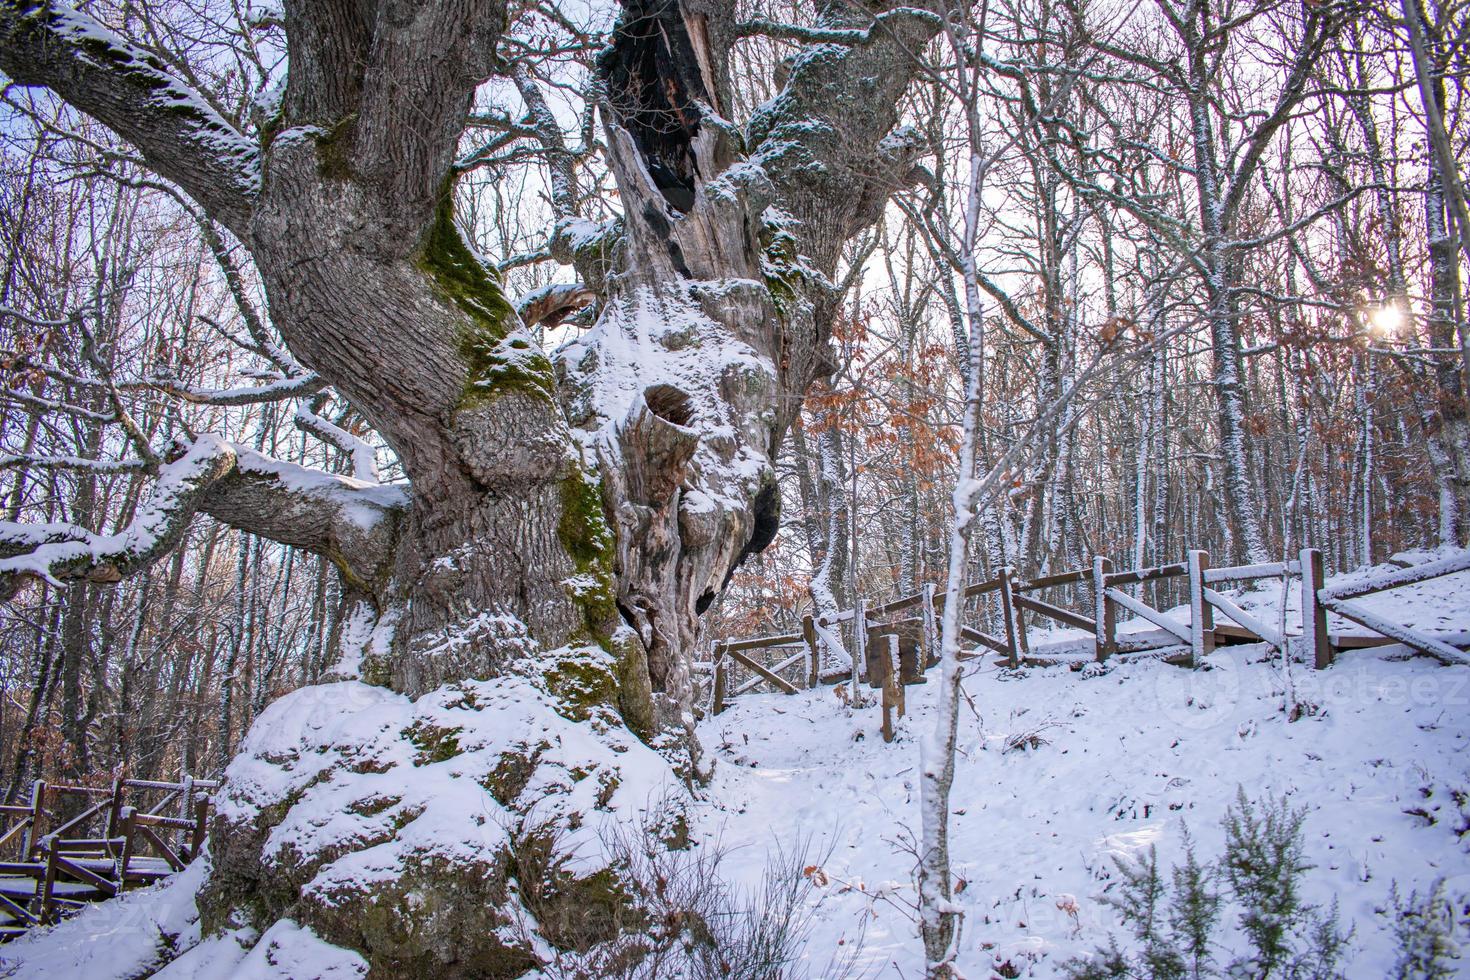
column 767, row 521
column 669, row 404
column 703, row 602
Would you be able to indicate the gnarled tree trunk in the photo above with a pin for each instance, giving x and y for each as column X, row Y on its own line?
column 567, row 517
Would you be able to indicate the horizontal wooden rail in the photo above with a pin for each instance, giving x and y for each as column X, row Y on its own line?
column 1049, row 581
column 1241, row 573
column 82, row 843
column 1136, row 575
column 158, row 820
column 761, row 642
column 1408, row 576
column 156, row 784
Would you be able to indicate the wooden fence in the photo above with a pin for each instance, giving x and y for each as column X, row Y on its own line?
column 70, row 845
column 888, row 653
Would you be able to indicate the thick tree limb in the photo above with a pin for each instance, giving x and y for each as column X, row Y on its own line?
column 426, row 59
column 350, row 522
column 159, row 524
column 131, row 91
column 553, row 303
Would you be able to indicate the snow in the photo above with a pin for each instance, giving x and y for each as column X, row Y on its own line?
column 401, row 803
column 1057, row 773
column 645, row 339
column 1127, row 757
column 362, row 501
column 121, row 939
column 287, row 951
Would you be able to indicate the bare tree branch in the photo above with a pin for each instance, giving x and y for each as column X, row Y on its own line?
column 131, row 91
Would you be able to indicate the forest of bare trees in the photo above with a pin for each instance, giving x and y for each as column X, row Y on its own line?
column 1212, row 253
column 130, row 320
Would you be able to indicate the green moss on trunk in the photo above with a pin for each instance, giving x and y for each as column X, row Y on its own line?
column 498, row 357
column 584, row 533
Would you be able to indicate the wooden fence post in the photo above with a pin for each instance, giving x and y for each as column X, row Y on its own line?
column 1201, row 613
column 1314, row 614
column 1105, row 611
column 125, row 826
column 47, row 884
column 895, row 671
column 1015, row 629
column 38, row 819
column 112, row 809
column 814, row 660
column 201, row 826
column 717, row 687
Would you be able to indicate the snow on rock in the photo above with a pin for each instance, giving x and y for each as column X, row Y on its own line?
column 354, row 815
column 429, row 777
column 287, row 951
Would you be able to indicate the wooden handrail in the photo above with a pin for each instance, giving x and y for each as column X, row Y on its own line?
column 761, row 642
column 1107, row 597
column 1136, row 575
column 1408, row 576
column 1048, row 581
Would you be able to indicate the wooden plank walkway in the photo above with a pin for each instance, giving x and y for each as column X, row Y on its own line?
column 71, row 845
column 890, row 652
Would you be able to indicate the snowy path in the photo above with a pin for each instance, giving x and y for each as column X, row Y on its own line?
column 1128, row 758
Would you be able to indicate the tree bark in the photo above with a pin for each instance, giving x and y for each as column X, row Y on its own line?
column 583, row 507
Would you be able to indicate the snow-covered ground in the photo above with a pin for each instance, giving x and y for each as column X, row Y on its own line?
column 1060, row 770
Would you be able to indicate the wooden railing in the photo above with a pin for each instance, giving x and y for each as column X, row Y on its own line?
column 885, row 651
column 55, row 865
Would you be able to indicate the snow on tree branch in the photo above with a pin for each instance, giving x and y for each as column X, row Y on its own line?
column 273, row 391
column 351, row 522
column 159, row 524
column 363, row 455
column 133, row 92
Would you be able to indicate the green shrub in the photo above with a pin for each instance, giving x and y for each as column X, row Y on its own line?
column 1261, row 874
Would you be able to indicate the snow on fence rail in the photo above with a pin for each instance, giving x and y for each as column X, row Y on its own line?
column 888, row 653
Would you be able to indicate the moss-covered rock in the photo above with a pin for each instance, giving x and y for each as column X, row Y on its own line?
column 435, row 743
column 512, row 773
column 433, row 918
column 583, row 681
